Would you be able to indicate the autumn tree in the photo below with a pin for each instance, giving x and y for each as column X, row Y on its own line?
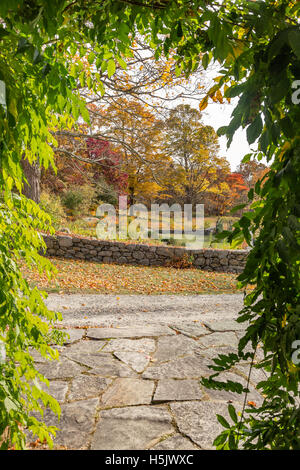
column 96, row 166
column 238, row 188
column 108, row 164
column 252, row 171
column 235, row 187
column 124, row 99
column 192, row 149
column 132, row 127
column 80, row 170
column 234, row 193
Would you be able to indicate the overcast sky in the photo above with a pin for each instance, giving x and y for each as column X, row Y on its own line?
column 218, row 115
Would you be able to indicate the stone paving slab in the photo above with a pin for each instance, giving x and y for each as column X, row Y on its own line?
column 85, row 346
column 222, row 395
column 174, row 347
column 177, row 442
column 58, row 389
column 127, row 391
column 176, row 390
column 219, row 340
column 38, row 358
column 257, row 375
column 197, row 420
column 75, row 425
column 134, row 428
column 136, row 360
column 136, row 384
column 74, row 334
column 227, row 325
column 61, row 369
column 184, row 367
column 129, row 332
column 106, row 310
column 193, row 330
column 145, row 345
column 102, row 364
column 87, row 386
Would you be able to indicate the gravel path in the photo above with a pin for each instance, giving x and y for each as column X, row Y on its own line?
column 89, row 309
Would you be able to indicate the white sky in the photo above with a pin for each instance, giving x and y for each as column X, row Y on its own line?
column 218, row 115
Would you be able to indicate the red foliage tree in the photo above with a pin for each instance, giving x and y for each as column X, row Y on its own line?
column 232, row 196
column 109, row 164
column 238, row 189
column 237, row 184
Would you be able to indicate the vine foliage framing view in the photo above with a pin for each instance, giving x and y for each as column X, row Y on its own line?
column 257, row 45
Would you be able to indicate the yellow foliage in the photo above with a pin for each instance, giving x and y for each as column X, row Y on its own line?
column 203, row 103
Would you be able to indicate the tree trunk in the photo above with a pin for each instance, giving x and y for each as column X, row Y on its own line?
column 32, row 174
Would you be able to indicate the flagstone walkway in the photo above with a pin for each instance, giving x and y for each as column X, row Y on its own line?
column 129, row 375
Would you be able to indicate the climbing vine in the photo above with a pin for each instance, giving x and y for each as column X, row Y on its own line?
column 257, row 45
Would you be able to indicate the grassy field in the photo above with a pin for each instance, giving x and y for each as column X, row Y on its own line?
column 85, row 228
column 87, row 277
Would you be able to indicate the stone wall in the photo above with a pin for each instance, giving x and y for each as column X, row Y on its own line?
column 104, row 251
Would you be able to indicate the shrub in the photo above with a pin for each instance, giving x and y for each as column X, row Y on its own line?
column 181, row 262
column 105, row 192
column 79, row 200
column 81, row 227
column 72, row 199
column 174, row 241
column 52, row 205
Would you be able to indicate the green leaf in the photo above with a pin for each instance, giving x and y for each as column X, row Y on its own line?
column 61, row 102
column 205, row 61
column 91, row 57
column 37, row 57
column 287, row 127
column 222, row 131
column 247, row 158
column 10, row 405
column 264, row 141
column 178, row 70
column 23, row 45
column 234, row 90
column 294, row 40
column 179, row 30
column 231, row 442
column 254, row 130
column 221, row 439
column 223, row 421
column 84, row 112
column 232, row 413
column 238, row 208
column 82, row 78
column 100, row 87
column 111, row 67
column 122, row 63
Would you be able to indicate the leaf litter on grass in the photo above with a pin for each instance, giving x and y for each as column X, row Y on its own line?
column 90, row 277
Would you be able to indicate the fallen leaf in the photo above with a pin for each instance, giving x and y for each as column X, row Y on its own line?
column 252, row 403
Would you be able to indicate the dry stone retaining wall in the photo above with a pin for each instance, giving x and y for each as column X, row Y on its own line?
column 104, row 251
